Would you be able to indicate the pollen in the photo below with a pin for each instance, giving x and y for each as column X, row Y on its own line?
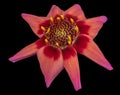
column 43, row 28
column 76, row 29
column 51, row 19
column 57, row 44
column 69, row 42
column 62, row 32
column 62, row 16
column 72, row 20
column 58, row 18
column 48, row 30
column 69, row 37
column 46, row 40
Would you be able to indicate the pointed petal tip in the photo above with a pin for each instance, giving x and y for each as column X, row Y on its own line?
column 78, row 87
column 48, row 83
column 12, row 59
column 24, row 15
column 53, row 5
column 104, row 19
column 110, row 68
column 77, row 5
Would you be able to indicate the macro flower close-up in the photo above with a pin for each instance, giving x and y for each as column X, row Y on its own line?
column 63, row 34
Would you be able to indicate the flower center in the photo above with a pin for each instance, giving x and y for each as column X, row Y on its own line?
column 61, row 33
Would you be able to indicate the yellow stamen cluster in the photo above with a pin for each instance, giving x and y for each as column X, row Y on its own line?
column 61, row 33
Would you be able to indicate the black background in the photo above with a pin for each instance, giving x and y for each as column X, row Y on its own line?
column 25, row 77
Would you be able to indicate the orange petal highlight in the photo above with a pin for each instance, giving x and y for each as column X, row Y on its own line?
column 71, row 65
column 76, row 11
column 34, row 22
column 93, row 52
column 91, row 26
column 50, row 65
column 55, row 10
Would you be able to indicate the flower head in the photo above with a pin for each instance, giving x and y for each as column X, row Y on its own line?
column 61, row 35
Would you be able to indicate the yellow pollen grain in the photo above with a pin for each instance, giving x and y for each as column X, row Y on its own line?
column 69, row 42
column 46, row 40
column 58, row 18
column 51, row 19
column 76, row 29
column 48, row 30
column 62, row 16
column 43, row 28
column 72, row 20
column 69, row 38
column 57, row 44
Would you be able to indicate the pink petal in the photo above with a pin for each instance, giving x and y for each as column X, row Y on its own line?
column 92, row 51
column 28, row 51
column 51, row 63
column 71, row 65
column 76, row 11
column 91, row 26
column 34, row 22
column 55, row 10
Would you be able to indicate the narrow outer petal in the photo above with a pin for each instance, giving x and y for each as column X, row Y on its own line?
column 28, row 51
column 86, row 46
column 55, row 10
column 76, row 11
column 71, row 65
column 51, row 63
column 91, row 26
column 34, row 22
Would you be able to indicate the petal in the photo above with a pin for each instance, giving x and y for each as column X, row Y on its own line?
column 91, row 26
column 55, row 10
column 51, row 63
column 28, row 51
column 76, row 11
column 34, row 22
column 92, row 51
column 71, row 65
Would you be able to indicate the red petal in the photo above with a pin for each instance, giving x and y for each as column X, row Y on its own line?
column 50, row 65
column 34, row 22
column 55, row 10
column 81, row 43
column 76, row 11
column 71, row 65
column 91, row 26
column 68, row 52
column 52, row 52
column 28, row 50
column 92, row 51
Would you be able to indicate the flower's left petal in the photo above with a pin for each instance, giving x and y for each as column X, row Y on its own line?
column 76, row 11
column 55, row 10
column 72, row 66
column 34, row 22
column 51, row 63
column 86, row 46
column 28, row 51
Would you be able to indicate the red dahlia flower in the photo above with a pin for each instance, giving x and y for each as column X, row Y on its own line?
column 61, row 35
